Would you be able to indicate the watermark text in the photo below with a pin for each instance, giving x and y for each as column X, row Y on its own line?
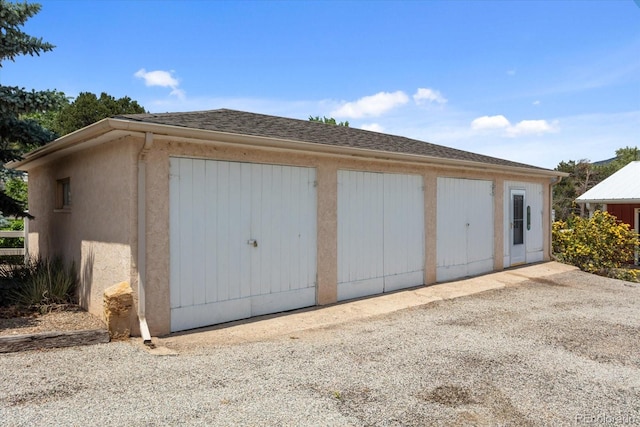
column 608, row 419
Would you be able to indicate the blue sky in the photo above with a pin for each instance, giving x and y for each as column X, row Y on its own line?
column 534, row 82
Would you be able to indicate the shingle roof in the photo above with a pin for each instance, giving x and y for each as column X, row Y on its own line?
column 243, row 123
column 623, row 186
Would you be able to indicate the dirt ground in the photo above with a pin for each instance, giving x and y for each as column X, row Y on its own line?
column 14, row 322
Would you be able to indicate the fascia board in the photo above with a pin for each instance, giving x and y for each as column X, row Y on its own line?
column 90, row 136
column 610, row 201
column 202, row 136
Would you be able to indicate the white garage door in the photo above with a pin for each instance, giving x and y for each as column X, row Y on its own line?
column 380, row 233
column 242, row 240
column 465, row 228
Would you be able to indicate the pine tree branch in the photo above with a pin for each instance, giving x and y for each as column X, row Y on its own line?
column 12, row 207
column 15, row 100
column 13, row 41
column 23, row 134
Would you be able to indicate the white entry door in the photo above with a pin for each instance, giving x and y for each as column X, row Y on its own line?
column 517, row 227
column 242, row 240
column 465, row 228
column 380, row 233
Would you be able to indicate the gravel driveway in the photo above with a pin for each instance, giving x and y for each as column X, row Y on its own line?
column 564, row 351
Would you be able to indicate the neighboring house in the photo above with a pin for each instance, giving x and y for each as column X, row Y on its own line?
column 220, row 215
column 619, row 194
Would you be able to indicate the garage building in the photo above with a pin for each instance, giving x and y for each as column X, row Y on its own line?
column 220, row 215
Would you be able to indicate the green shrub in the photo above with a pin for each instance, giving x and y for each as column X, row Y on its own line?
column 600, row 244
column 39, row 283
column 627, row 274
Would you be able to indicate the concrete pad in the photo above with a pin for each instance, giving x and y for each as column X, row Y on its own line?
column 518, row 275
column 296, row 322
column 542, row 269
column 463, row 287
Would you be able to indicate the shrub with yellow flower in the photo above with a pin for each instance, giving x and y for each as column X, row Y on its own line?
column 600, row 244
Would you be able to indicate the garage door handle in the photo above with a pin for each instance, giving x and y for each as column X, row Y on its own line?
column 252, row 242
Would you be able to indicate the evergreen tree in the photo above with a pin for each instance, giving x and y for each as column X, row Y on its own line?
column 17, row 133
column 584, row 175
column 87, row 108
column 328, row 121
column 624, row 156
column 582, row 178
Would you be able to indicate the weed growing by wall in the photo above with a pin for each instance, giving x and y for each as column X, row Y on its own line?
column 40, row 283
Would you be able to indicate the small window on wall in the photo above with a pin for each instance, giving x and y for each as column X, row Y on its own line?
column 63, row 194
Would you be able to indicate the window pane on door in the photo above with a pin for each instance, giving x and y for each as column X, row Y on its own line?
column 518, row 219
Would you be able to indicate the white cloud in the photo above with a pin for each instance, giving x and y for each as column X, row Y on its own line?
column 530, row 127
column 371, row 106
column 490, row 122
column 511, row 72
column 524, row 127
column 536, row 102
column 430, row 95
column 157, row 78
column 161, row 78
column 374, row 127
column 179, row 93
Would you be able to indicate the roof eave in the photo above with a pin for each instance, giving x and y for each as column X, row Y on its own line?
column 202, row 135
column 610, row 201
column 91, row 135
column 101, row 132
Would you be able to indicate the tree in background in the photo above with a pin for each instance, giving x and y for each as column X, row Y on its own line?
column 17, row 132
column 87, row 108
column 624, row 156
column 566, row 192
column 48, row 119
column 30, row 119
column 328, row 121
column 67, row 117
column 583, row 175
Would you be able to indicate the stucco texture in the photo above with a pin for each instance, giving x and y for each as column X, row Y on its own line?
column 96, row 231
column 100, row 231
